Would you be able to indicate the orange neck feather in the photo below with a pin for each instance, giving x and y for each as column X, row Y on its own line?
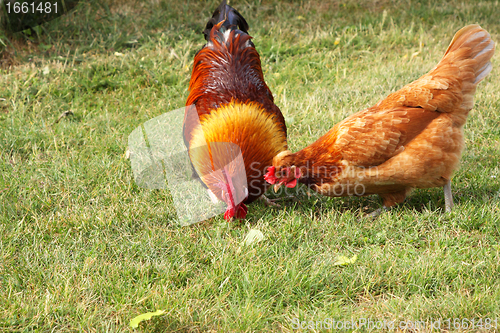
column 257, row 133
column 225, row 66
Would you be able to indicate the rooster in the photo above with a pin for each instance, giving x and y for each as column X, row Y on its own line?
column 234, row 114
column 411, row 139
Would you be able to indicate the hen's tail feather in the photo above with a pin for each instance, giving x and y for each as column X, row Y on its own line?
column 475, row 44
column 232, row 19
column 451, row 85
column 470, row 50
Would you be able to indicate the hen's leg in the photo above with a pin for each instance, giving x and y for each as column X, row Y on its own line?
column 448, row 197
column 389, row 200
column 377, row 212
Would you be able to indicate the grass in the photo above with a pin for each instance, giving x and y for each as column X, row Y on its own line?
column 83, row 248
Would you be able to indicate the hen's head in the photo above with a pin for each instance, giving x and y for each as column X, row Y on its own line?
column 283, row 171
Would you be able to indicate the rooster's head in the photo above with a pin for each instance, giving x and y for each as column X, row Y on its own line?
column 234, row 210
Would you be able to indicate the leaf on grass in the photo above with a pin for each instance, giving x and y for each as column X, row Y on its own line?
column 344, row 261
column 134, row 323
column 253, row 236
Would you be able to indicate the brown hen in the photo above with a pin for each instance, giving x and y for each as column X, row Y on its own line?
column 412, row 139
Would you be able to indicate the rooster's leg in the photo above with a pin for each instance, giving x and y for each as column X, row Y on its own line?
column 272, row 202
column 448, row 197
column 269, row 202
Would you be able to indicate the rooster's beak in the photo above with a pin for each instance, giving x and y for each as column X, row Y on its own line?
column 277, row 187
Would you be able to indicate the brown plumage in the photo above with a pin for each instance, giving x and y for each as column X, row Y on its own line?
column 412, row 139
column 234, row 105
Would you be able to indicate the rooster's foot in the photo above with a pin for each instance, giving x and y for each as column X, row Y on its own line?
column 269, row 202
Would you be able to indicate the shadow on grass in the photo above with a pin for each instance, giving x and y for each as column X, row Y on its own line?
column 419, row 200
column 103, row 26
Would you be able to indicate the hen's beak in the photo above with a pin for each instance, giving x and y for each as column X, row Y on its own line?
column 277, row 187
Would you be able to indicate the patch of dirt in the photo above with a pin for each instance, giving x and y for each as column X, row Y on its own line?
column 17, row 48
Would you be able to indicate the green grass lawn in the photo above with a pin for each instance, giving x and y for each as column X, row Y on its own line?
column 83, row 248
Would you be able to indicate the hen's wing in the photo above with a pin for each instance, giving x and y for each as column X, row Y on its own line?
column 373, row 136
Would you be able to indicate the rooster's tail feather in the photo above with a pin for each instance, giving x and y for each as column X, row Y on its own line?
column 231, row 18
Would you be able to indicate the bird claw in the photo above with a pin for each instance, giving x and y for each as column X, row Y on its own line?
column 376, row 213
column 269, row 202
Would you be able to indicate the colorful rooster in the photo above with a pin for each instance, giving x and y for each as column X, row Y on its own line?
column 233, row 108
